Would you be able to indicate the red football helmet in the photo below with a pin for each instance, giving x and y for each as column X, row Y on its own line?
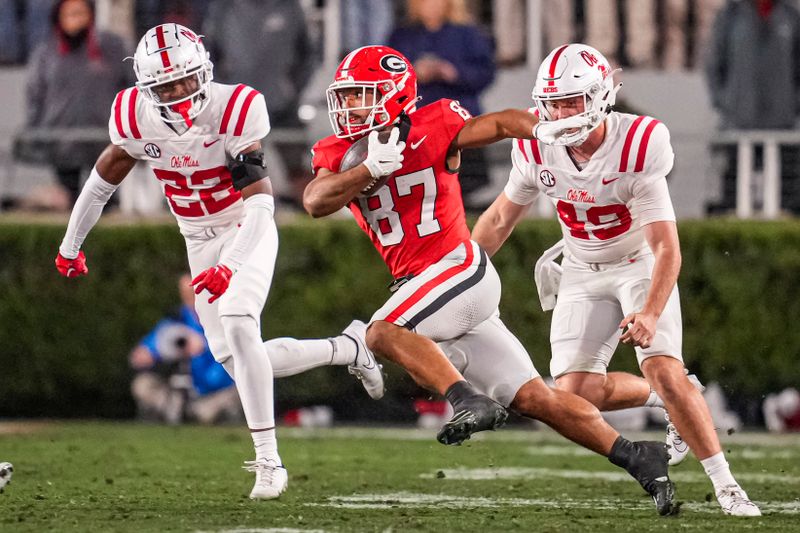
column 388, row 86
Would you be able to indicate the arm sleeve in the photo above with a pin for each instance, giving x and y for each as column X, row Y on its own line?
column 520, row 189
column 259, row 210
column 255, row 127
column 87, row 210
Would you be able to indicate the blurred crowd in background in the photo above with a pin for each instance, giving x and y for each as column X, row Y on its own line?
column 72, row 51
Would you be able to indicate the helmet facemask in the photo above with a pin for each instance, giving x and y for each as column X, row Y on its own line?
column 176, row 110
column 598, row 100
column 374, row 97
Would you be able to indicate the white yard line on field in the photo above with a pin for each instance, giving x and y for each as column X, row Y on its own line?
column 510, row 472
column 264, row 530
column 572, row 450
column 418, row 500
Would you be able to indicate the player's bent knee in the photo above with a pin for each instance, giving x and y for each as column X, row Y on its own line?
column 586, row 385
column 240, row 330
column 533, row 399
column 379, row 336
column 666, row 374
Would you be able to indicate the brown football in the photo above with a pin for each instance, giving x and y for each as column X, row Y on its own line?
column 356, row 154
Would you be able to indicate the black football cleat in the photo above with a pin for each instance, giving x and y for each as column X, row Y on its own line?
column 648, row 463
column 473, row 414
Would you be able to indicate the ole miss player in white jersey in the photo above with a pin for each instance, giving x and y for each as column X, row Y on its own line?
column 442, row 318
column 202, row 141
column 607, row 180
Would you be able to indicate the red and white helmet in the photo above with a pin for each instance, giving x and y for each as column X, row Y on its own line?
column 167, row 53
column 393, row 85
column 576, row 70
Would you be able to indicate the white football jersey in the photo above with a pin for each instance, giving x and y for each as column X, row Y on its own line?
column 602, row 207
column 192, row 167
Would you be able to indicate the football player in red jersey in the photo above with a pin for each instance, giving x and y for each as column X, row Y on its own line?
column 442, row 322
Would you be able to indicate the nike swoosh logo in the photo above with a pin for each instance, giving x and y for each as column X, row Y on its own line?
column 414, row 145
column 206, row 145
column 606, row 182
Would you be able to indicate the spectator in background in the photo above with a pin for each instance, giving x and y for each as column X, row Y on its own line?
column 265, row 44
column 177, row 375
column 559, row 24
column 453, row 59
column 23, row 26
column 676, row 31
column 366, row 22
column 150, row 13
column 604, row 33
column 117, row 16
column 73, row 77
column 753, row 70
column 508, row 28
column 782, row 411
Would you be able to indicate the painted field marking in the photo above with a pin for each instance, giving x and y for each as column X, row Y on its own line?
column 264, row 530
column 412, row 500
column 508, row 472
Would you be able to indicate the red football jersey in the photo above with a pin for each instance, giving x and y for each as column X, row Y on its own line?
column 417, row 217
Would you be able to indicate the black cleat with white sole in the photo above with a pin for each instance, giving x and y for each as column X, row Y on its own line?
column 474, row 412
column 648, row 463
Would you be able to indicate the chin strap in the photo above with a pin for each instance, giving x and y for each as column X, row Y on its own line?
column 182, row 109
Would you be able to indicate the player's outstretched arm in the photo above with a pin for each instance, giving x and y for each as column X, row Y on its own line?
column 515, row 124
column 496, row 223
column 492, row 127
column 111, row 168
column 662, row 236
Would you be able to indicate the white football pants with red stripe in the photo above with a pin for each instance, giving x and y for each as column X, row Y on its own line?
column 454, row 302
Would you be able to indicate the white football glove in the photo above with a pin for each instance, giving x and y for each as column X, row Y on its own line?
column 547, row 275
column 383, row 159
column 557, row 132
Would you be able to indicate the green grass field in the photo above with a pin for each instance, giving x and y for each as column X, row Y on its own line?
column 129, row 477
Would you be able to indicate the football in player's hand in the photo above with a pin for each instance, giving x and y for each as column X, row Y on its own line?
column 357, row 154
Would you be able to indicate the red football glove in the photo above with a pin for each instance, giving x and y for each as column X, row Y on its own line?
column 72, row 268
column 215, row 280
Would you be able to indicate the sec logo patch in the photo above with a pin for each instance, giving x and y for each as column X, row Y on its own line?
column 547, row 178
column 152, row 150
